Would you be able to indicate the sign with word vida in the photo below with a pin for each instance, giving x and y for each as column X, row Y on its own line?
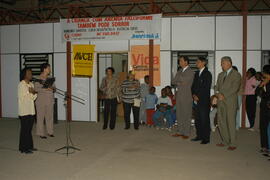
column 112, row 28
column 140, row 62
column 82, row 60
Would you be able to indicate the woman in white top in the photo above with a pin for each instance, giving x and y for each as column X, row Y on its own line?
column 26, row 98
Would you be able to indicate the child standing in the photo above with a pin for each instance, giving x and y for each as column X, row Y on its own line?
column 164, row 106
column 173, row 99
column 150, row 104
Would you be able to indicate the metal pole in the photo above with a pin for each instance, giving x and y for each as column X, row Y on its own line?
column 151, row 62
column 69, row 105
column 244, row 60
column 151, row 51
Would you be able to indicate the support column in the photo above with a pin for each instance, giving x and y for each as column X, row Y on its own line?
column 151, row 62
column 151, row 49
column 244, row 60
column 69, row 104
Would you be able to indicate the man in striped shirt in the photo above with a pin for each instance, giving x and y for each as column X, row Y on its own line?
column 130, row 95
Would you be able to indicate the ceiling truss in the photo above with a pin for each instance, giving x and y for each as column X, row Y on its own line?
column 52, row 13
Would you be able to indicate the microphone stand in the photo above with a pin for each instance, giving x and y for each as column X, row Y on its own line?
column 69, row 144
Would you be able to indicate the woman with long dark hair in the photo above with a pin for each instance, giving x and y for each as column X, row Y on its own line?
column 251, row 99
column 26, row 106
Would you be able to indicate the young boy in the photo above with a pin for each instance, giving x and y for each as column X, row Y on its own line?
column 213, row 113
column 164, row 106
column 150, row 104
column 144, row 93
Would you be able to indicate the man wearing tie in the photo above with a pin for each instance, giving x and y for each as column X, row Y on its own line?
column 183, row 81
column 227, row 88
column 201, row 96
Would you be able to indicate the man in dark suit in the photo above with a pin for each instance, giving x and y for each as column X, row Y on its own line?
column 201, row 96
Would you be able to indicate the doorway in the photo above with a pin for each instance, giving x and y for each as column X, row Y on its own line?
column 265, row 58
column 119, row 61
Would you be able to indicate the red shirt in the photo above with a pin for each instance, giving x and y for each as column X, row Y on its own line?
column 173, row 100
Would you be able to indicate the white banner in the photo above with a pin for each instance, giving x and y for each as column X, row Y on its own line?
column 112, row 28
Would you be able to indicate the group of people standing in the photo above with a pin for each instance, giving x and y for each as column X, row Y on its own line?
column 193, row 94
column 192, row 98
column 35, row 103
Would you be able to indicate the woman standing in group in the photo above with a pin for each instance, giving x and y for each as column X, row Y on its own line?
column 130, row 95
column 44, row 104
column 251, row 99
column 26, row 98
column 263, row 91
column 109, row 88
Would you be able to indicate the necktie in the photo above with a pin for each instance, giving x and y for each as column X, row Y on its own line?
column 225, row 77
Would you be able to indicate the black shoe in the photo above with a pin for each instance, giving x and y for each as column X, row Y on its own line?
column 111, row 128
column 204, row 142
column 51, row 135
column 104, row 127
column 126, row 128
column 43, row 137
column 28, row 152
column 196, row 139
column 136, row 128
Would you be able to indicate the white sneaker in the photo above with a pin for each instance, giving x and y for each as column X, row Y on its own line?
column 251, row 129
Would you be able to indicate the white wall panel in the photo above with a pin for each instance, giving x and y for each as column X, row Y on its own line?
column 10, row 80
column 229, row 33
column 9, row 39
column 193, row 33
column 254, row 60
column 254, row 32
column 165, row 34
column 93, row 93
column 266, row 32
column 106, row 46
column 36, row 38
column 58, row 44
column 80, row 88
column 60, row 74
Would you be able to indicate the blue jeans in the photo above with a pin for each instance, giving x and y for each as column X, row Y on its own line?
column 159, row 116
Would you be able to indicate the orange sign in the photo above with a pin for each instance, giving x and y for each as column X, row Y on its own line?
column 140, row 62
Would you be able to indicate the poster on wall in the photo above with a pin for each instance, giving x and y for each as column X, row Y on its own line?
column 112, row 28
column 82, row 60
column 140, row 62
